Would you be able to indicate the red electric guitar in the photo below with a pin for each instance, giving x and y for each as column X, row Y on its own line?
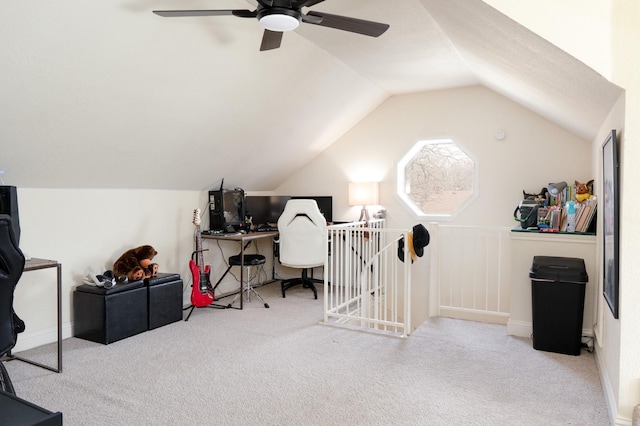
column 201, row 293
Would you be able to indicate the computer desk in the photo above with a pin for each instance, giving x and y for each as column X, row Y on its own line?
column 244, row 240
column 34, row 264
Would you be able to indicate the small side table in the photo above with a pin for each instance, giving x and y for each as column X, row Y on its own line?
column 34, row 264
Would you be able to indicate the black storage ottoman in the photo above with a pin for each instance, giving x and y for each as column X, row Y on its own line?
column 17, row 411
column 164, row 299
column 108, row 315
column 557, row 297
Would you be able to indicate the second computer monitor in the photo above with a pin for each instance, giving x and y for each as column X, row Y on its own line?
column 265, row 210
column 325, row 204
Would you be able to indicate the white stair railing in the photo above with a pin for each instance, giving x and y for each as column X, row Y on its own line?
column 366, row 285
column 470, row 269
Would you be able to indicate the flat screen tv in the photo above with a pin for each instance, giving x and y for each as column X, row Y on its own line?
column 264, row 209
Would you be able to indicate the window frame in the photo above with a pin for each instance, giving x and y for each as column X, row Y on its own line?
column 405, row 160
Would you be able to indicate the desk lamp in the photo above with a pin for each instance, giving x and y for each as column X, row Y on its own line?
column 363, row 194
column 556, row 188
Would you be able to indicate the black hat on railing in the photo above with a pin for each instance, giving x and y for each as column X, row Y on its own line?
column 418, row 239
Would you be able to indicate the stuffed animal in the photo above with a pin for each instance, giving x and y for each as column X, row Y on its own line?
column 136, row 263
column 583, row 190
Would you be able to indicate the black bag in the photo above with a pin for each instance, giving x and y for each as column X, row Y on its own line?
column 527, row 213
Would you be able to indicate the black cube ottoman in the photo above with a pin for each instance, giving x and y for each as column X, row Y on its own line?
column 108, row 315
column 164, row 299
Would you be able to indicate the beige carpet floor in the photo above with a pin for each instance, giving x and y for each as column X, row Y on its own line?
column 280, row 366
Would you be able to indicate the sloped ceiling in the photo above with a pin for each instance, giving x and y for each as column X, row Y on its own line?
column 102, row 94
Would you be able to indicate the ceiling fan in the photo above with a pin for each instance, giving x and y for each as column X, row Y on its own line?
column 278, row 16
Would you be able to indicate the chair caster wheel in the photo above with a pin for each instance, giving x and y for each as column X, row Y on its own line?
column 229, row 306
column 266, row 305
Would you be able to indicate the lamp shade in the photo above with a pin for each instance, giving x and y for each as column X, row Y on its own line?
column 363, row 193
column 556, row 188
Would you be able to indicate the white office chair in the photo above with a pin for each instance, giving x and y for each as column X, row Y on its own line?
column 303, row 241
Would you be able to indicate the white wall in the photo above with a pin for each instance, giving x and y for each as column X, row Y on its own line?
column 604, row 35
column 523, row 248
column 91, row 228
column 626, row 62
column 82, row 228
column 533, row 153
column 607, row 329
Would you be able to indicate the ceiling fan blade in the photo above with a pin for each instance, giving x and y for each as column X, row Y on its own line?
column 345, row 23
column 309, row 19
column 310, row 3
column 242, row 13
column 270, row 40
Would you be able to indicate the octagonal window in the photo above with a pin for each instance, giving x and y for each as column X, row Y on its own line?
column 437, row 179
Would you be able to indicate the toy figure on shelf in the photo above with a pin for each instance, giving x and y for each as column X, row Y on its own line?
column 583, row 190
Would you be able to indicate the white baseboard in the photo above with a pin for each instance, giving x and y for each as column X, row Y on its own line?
column 609, row 395
column 473, row 315
column 30, row 340
column 519, row 328
column 525, row 329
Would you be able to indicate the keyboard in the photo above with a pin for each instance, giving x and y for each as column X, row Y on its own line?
column 263, row 228
column 211, row 232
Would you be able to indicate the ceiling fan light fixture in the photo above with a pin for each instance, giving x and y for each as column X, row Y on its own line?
column 279, row 19
column 280, row 16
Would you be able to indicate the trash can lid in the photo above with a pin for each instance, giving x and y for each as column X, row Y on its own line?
column 554, row 268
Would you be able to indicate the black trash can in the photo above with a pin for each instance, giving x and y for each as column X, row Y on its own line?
column 557, row 298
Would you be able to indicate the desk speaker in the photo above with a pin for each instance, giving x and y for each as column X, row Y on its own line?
column 9, row 206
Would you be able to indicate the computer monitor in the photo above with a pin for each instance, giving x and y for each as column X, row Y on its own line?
column 227, row 210
column 265, row 209
column 325, row 204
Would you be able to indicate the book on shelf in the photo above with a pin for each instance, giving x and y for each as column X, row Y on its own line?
column 579, row 212
column 583, row 218
column 587, row 214
column 590, row 217
column 555, row 219
column 591, row 224
column 563, row 220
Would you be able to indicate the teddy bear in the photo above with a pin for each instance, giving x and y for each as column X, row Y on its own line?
column 583, row 190
column 136, row 263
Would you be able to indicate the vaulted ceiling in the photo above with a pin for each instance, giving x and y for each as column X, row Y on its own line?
column 105, row 94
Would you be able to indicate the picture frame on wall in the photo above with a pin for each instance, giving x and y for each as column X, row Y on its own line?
column 610, row 222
